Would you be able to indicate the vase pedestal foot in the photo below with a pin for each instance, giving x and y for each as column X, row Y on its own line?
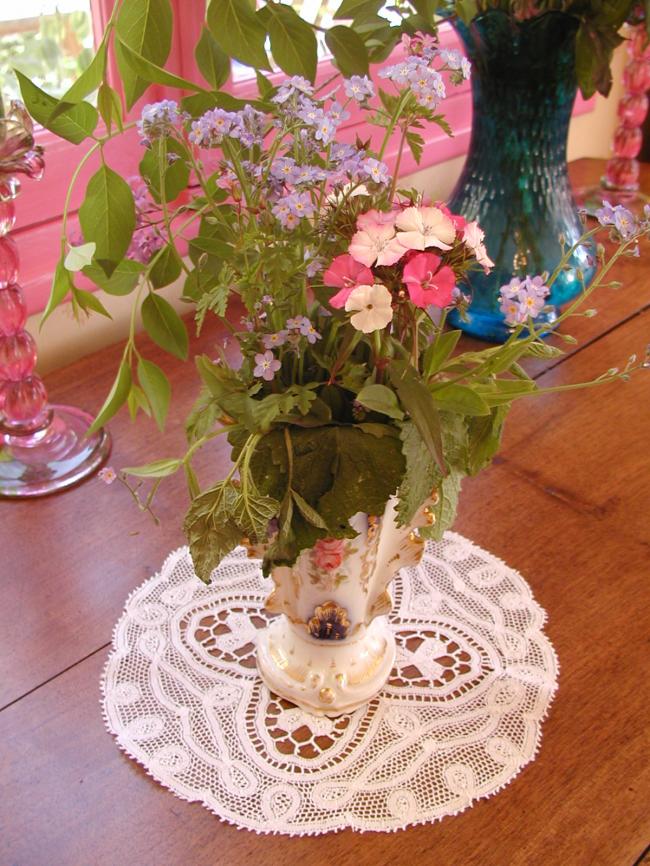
column 53, row 458
column 325, row 677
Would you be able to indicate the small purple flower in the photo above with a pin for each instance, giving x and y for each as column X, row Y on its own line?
column 521, row 299
column 107, row 474
column 267, row 299
column 314, row 265
column 359, row 88
column 296, row 323
column 158, row 120
column 376, row 170
column 309, row 112
column 325, row 129
column 605, row 215
column 337, row 113
column 625, row 222
column 271, row 341
column 295, row 84
column 282, row 168
column 310, row 332
column 300, row 204
column 266, row 366
column 210, row 128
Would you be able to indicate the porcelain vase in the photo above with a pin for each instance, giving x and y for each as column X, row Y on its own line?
column 331, row 650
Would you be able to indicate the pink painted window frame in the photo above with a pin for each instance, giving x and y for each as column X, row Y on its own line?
column 41, row 204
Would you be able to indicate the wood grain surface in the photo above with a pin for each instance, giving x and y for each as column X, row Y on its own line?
column 567, row 503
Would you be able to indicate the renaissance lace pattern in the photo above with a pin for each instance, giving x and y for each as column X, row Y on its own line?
column 458, row 719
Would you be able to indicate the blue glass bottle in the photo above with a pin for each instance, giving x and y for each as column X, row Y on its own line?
column 515, row 180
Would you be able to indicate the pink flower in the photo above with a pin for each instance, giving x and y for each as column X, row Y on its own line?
column 473, row 236
column 107, row 474
column 423, row 227
column 327, row 553
column 375, row 242
column 428, row 283
column 459, row 222
column 345, row 274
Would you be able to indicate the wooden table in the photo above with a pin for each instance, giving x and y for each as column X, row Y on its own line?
column 566, row 503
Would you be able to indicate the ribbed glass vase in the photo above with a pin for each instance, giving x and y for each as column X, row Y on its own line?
column 515, row 180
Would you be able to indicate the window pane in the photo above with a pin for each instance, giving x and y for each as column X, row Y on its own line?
column 51, row 41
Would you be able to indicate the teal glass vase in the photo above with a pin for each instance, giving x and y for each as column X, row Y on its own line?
column 515, row 180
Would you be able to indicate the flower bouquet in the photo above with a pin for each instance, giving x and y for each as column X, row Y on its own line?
column 352, row 411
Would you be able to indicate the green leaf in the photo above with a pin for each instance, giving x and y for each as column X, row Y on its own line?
column 117, row 397
column 75, row 123
column 484, row 438
column 175, row 175
column 213, row 63
column 150, row 72
column 210, row 529
column 109, row 107
column 416, row 399
column 438, row 351
column 264, row 86
column 165, row 326
column 144, row 26
column 355, row 9
column 107, row 217
column 87, row 301
column 237, row 29
column 212, row 246
column 79, row 257
column 416, row 145
column 309, row 513
column 379, row 398
column 122, row 281
column 90, row 78
column 293, row 43
column 137, row 401
column 348, row 49
column 156, row 469
column 252, row 512
column 156, row 388
column 460, row 399
column 166, row 268
column 61, row 285
column 421, row 476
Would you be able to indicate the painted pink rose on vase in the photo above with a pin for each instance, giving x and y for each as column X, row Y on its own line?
column 429, row 284
column 345, row 273
column 327, row 553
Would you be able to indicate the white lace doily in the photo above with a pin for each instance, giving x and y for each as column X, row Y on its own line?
column 458, row 719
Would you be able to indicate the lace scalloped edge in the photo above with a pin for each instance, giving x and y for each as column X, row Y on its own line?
column 181, row 551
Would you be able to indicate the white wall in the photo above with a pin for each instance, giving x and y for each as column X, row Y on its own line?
column 62, row 340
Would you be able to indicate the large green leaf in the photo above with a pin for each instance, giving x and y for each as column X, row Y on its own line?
column 145, row 26
column 358, row 9
column 107, row 217
column 122, row 281
column 238, row 31
column 151, row 72
column 116, row 398
column 166, row 268
column 166, row 180
column 213, row 62
column 61, row 285
column 87, row 83
column 74, row 123
column 164, row 325
column 293, row 43
column 379, row 398
column 350, row 54
column 157, row 389
column 210, row 529
column 416, row 399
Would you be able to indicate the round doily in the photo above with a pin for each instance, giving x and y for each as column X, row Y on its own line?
column 458, row 719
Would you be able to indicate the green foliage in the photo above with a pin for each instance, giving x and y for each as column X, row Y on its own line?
column 293, row 43
column 238, row 31
column 164, row 325
column 350, row 55
column 117, row 397
column 213, row 62
column 145, row 27
column 156, row 388
column 75, row 122
column 107, row 217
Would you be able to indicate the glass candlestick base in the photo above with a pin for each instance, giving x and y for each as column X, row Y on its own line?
column 55, row 457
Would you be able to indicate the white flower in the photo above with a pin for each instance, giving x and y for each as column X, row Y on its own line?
column 373, row 306
column 473, row 236
column 423, row 227
column 349, row 190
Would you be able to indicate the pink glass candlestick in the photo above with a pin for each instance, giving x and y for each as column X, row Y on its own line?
column 43, row 448
column 620, row 183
